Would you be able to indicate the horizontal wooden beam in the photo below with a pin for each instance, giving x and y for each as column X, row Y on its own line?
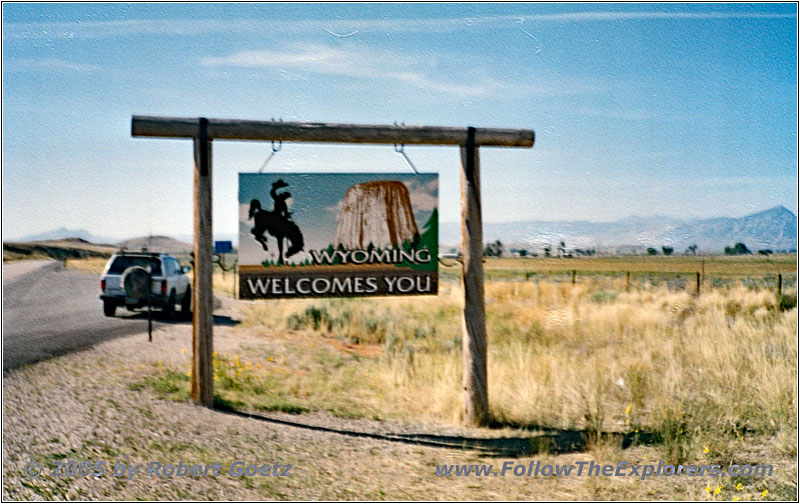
column 227, row 129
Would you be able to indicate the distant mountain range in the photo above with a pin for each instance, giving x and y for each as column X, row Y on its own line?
column 774, row 229
column 154, row 243
column 61, row 233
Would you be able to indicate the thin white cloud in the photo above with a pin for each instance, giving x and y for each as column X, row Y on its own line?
column 335, row 209
column 369, row 63
column 423, row 196
column 50, row 65
column 354, row 61
column 340, row 27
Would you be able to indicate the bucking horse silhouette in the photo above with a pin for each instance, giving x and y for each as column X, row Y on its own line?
column 277, row 222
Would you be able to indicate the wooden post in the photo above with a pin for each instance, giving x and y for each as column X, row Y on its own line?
column 703, row 272
column 780, row 284
column 474, row 319
column 697, row 281
column 573, row 277
column 627, row 281
column 202, row 295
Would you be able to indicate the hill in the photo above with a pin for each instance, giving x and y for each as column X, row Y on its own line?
column 63, row 233
column 70, row 248
column 164, row 244
column 775, row 229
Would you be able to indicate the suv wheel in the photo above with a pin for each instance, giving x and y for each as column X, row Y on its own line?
column 109, row 308
column 169, row 308
column 186, row 303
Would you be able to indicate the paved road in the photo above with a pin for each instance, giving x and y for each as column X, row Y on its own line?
column 49, row 311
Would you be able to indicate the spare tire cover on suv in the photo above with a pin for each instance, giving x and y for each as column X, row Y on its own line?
column 136, row 282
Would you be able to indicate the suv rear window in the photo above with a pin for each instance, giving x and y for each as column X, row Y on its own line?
column 121, row 263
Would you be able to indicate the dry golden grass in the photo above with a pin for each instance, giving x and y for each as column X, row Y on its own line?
column 576, row 357
column 713, row 378
column 719, row 265
column 90, row 265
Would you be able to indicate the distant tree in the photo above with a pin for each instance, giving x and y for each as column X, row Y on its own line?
column 494, row 249
column 547, row 251
column 691, row 249
column 765, row 252
column 523, row 253
column 738, row 249
column 562, row 248
column 667, row 250
column 652, row 251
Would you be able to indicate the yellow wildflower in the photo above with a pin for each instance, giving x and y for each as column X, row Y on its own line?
column 764, row 493
column 739, row 486
column 628, row 409
column 705, row 450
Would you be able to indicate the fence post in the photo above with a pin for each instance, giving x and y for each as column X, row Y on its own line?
column 697, row 282
column 202, row 295
column 573, row 277
column 779, row 285
column 474, row 319
column 627, row 281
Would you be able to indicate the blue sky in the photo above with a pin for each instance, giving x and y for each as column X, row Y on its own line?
column 685, row 110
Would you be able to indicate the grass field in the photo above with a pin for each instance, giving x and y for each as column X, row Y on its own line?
column 709, row 378
column 723, row 265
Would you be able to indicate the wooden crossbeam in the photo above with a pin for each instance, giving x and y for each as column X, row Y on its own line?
column 234, row 129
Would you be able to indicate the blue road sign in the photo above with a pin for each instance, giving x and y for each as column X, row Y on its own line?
column 223, row 247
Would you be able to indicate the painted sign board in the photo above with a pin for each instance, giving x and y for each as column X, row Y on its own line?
column 337, row 234
column 223, row 247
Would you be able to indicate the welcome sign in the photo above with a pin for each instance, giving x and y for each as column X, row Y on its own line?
column 341, row 234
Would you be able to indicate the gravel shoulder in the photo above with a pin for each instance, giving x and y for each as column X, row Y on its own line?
column 81, row 407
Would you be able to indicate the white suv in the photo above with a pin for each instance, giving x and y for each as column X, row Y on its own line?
column 169, row 284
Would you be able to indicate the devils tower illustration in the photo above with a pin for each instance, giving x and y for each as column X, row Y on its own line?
column 377, row 213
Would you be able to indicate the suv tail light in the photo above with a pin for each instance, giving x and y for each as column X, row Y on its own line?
column 103, row 285
column 163, row 286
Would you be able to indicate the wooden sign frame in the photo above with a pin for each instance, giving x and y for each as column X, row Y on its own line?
column 203, row 131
